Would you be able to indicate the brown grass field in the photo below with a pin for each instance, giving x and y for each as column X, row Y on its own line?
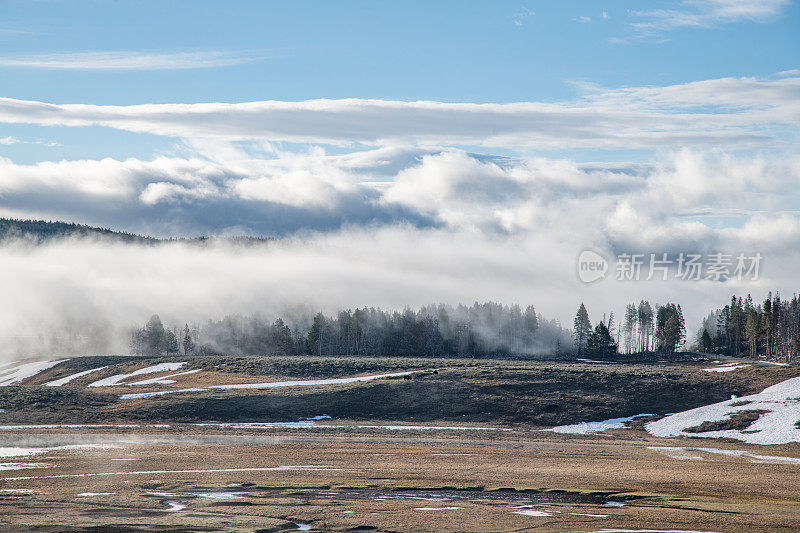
column 337, row 477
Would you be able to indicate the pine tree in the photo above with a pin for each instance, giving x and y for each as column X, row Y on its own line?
column 629, row 326
column 187, row 342
column 582, row 328
column 600, row 344
column 706, row 344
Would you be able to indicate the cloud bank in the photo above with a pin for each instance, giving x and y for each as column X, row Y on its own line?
column 723, row 112
column 441, row 225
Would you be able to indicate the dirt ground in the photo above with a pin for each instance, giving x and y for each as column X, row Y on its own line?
column 183, row 479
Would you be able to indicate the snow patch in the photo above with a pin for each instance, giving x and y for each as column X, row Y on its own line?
column 19, row 452
column 175, row 506
column 313, row 382
column 64, row 381
column 725, row 368
column 533, row 512
column 257, row 425
column 777, row 426
column 115, row 379
column 220, row 495
column 755, row 458
column 87, row 494
column 584, row 428
column 266, row 385
column 158, row 393
column 22, row 466
column 163, row 380
column 436, row 508
column 25, row 371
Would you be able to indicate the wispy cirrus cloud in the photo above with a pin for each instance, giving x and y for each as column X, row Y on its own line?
column 126, row 60
column 707, row 14
column 521, row 16
column 8, row 141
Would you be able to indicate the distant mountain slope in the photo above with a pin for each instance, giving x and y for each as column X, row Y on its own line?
column 44, row 230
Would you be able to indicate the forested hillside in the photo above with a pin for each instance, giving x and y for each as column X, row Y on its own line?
column 42, row 230
column 46, row 230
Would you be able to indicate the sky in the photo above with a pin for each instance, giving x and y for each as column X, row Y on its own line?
column 513, row 135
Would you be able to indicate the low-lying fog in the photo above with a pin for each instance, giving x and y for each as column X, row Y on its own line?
column 81, row 296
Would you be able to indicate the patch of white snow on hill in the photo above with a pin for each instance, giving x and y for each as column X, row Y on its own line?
column 115, row 379
column 584, row 428
column 133, row 396
column 312, row 382
column 164, row 380
column 64, row 381
column 725, row 368
column 777, row 426
column 24, row 371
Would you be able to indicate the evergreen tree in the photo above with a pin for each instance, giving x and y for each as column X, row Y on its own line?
column 706, row 344
column 629, row 327
column 187, row 342
column 600, row 344
column 581, row 329
column 154, row 336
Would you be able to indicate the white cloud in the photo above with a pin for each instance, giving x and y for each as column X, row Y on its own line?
column 444, row 225
column 726, row 112
column 583, row 19
column 686, row 194
column 13, row 140
column 126, row 60
column 523, row 14
column 708, row 13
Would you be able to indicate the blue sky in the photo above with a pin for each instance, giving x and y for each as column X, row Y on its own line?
column 444, row 51
column 447, row 51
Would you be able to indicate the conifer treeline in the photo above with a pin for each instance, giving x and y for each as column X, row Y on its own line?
column 768, row 330
column 642, row 331
column 481, row 330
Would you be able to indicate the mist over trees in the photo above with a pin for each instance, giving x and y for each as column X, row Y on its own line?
column 767, row 330
column 481, row 330
column 642, row 331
